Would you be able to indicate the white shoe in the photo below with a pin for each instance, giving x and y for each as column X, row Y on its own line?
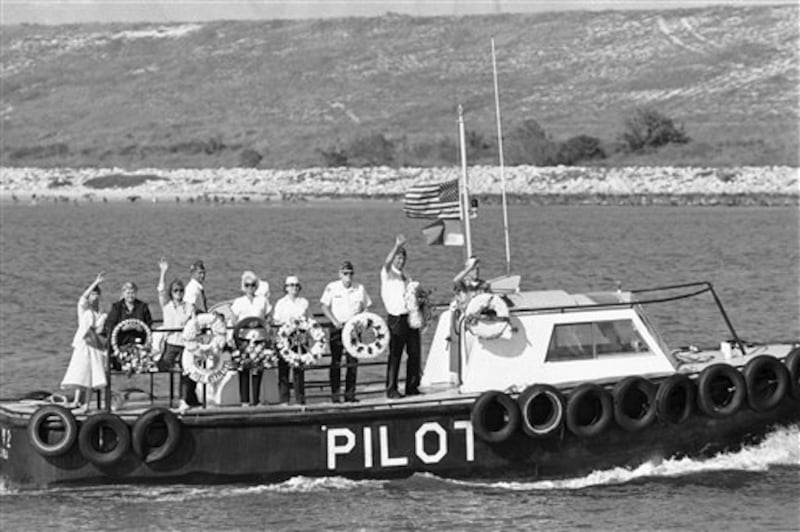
column 183, row 407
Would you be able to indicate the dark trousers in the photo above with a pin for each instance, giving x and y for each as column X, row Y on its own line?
column 351, row 363
column 403, row 337
column 298, row 375
column 246, row 378
column 171, row 359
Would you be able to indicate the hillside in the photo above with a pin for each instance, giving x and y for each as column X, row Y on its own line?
column 198, row 95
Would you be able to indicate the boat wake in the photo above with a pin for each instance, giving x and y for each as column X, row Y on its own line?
column 779, row 448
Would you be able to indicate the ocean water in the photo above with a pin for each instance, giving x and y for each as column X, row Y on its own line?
column 49, row 253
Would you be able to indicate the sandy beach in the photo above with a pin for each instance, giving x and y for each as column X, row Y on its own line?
column 740, row 185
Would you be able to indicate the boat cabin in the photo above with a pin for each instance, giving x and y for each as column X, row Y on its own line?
column 548, row 337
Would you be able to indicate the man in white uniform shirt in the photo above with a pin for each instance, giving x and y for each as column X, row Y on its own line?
column 393, row 288
column 340, row 301
column 195, row 292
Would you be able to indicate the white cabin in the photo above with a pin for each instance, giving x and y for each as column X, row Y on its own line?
column 552, row 337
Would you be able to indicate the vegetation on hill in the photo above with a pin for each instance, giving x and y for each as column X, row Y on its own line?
column 714, row 86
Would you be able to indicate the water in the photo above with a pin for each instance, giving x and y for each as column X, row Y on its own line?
column 50, row 253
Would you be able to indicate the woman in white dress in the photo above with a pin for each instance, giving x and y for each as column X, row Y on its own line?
column 87, row 367
column 290, row 306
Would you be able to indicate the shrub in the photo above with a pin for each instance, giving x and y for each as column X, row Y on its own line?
column 249, row 158
column 121, row 181
column 648, row 128
column 580, row 148
column 528, row 143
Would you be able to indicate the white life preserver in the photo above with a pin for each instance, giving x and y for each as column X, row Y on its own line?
column 301, row 342
column 365, row 335
column 202, row 360
column 487, row 316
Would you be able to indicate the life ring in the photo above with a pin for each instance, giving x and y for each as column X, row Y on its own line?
column 767, row 382
column 40, row 441
column 495, row 416
column 301, row 342
column 792, row 362
column 245, row 329
column 141, row 434
column 365, row 335
column 135, row 359
column 542, row 409
column 675, row 399
column 590, row 410
column 634, row 403
column 97, row 451
column 721, row 390
column 202, row 361
column 487, row 316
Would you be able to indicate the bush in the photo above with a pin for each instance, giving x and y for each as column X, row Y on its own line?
column 648, row 128
column 249, row 158
column 529, row 144
column 580, row 148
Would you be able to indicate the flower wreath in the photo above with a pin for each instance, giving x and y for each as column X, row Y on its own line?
column 253, row 354
column 419, row 310
column 365, row 335
column 487, row 316
column 204, row 337
column 301, row 342
column 133, row 357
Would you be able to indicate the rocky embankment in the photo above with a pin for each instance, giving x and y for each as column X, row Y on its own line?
column 777, row 185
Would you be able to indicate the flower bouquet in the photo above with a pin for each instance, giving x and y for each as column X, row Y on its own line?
column 253, row 356
column 135, row 358
column 418, row 304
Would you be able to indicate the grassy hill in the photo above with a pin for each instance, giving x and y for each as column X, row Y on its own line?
column 200, row 95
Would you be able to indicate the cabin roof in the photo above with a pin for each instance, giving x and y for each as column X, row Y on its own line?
column 560, row 298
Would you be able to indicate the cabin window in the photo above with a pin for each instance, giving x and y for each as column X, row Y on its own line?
column 591, row 340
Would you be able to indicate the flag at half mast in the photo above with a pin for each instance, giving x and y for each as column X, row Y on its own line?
column 435, row 200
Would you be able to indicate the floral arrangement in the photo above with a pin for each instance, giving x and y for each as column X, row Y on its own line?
column 365, row 335
column 253, row 356
column 133, row 357
column 418, row 304
column 301, row 342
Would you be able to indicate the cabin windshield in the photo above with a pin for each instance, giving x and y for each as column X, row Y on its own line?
column 595, row 339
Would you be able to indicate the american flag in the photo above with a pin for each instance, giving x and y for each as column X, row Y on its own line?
column 437, row 200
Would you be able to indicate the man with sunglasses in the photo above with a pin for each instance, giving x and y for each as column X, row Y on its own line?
column 340, row 301
column 175, row 314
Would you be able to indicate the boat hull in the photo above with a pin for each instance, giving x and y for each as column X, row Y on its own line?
column 367, row 442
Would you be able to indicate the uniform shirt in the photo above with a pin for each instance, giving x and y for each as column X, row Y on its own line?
column 286, row 309
column 195, row 294
column 243, row 307
column 262, row 289
column 345, row 302
column 393, row 290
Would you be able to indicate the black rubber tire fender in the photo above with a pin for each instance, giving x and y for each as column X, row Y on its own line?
column 554, row 408
column 629, row 416
column 491, row 404
column 792, row 363
column 576, row 406
column 767, row 382
column 141, row 427
column 721, row 390
column 87, row 435
column 675, row 399
column 39, row 417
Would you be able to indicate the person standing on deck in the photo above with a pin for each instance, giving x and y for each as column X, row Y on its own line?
column 195, row 290
column 290, row 306
column 394, row 282
column 340, row 301
column 128, row 307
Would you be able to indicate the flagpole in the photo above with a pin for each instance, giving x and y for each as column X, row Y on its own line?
column 464, row 189
column 502, row 165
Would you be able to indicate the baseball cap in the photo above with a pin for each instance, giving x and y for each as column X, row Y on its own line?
column 197, row 265
column 346, row 266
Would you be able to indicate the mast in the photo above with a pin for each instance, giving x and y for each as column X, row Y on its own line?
column 502, row 165
column 463, row 187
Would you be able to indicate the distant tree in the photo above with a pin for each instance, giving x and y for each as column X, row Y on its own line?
column 648, row 128
column 249, row 158
column 334, row 156
column 373, row 149
column 528, row 143
column 580, row 148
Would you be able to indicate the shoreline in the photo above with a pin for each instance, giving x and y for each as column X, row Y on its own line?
column 631, row 186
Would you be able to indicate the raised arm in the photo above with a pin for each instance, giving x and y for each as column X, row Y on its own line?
column 163, row 296
column 83, row 301
column 470, row 265
column 398, row 243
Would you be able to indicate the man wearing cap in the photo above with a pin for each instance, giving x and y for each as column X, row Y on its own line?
column 195, row 293
column 394, row 282
column 126, row 308
column 341, row 300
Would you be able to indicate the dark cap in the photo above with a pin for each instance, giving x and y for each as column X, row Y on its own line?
column 197, row 265
column 346, row 266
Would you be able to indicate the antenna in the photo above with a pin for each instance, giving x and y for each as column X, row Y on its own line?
column 502, row 164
